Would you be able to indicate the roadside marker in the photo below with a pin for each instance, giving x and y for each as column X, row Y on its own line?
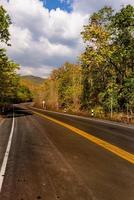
column 4, row 164
column 106, row 145
column 128, row 126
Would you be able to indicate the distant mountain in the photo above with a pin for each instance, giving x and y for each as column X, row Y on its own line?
column 34, row 79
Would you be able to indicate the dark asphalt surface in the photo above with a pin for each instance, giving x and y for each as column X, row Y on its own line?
column 49, row 162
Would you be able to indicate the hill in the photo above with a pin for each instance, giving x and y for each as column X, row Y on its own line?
column 34, row 79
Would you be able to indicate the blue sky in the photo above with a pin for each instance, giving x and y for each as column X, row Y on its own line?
column 53, row 4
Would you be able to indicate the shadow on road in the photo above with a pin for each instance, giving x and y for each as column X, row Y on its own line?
column 18, row 112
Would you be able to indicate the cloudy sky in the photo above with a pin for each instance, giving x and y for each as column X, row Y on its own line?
column 46, row 33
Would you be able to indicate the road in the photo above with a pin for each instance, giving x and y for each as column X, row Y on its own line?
column 47, row 160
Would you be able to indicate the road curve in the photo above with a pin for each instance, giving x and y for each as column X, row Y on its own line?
column 48, row 161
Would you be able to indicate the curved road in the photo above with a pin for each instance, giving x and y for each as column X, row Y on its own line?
column 49, row 161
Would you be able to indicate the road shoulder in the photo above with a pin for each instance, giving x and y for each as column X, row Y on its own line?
column 89, row 118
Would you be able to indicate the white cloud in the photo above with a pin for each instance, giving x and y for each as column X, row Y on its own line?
column 42, row 71
column 89, row 6
column 43, row 39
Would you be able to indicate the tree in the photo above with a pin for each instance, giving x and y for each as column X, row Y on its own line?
column 126, row 97
column 122, row 58
column 23, row 94
column 69, row 86
column 108, row 56
column 62, row 90
column 4, row 25
column 94, row 60
column 109, row 97
column 8, row 78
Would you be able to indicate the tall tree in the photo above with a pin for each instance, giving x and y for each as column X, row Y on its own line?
column 108, row 59
column 4, row 25
column 8, row 77
column 94, row 60
column 122, row 58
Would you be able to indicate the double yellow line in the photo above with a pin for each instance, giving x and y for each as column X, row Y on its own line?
column 106, row 145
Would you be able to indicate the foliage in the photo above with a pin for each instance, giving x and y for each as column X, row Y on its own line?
column 10, row 88
column 8, row 77
column 104, row 78
column 69, row 85
column 62, row 90
column 23, row 94
column 4, row 25
column 127, row 93
column 34, row 85
column 110, row 96
column 108, row 60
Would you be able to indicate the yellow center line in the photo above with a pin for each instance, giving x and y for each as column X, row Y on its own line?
column 106, row 145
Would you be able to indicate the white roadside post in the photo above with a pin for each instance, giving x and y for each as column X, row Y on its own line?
column 92, row 114
column 111, row 107
column 43, row 104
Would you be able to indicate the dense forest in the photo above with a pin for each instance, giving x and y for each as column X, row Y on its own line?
column 102, row 81
column 103, row 78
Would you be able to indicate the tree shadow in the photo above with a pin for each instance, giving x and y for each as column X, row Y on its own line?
column 16, row 112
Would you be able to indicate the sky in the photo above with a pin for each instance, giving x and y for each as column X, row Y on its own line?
column 62, row 4
column 46, row 33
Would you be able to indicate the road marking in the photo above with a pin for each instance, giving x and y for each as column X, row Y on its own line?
column 4, row 164
column 106, row 145
column 114, row 123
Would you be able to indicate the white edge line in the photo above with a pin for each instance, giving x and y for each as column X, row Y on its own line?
column 5, row 160
column 86, row 118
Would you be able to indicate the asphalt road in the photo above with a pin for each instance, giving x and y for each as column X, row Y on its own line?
column 49, row 161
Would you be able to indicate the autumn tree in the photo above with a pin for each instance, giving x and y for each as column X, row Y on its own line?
column 108, row 59
column 8, row 77
column 62, row 89
column 94, row 60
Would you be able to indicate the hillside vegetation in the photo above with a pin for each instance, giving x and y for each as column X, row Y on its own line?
column 103, row 79
column 101, row 82
column 11, row 91
column 33, row 79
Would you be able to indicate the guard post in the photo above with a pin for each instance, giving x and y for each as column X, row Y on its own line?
column 92, row 113
column 43, row 104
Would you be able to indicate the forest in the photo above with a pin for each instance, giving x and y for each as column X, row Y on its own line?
column 102, row 80
column 11, row 90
